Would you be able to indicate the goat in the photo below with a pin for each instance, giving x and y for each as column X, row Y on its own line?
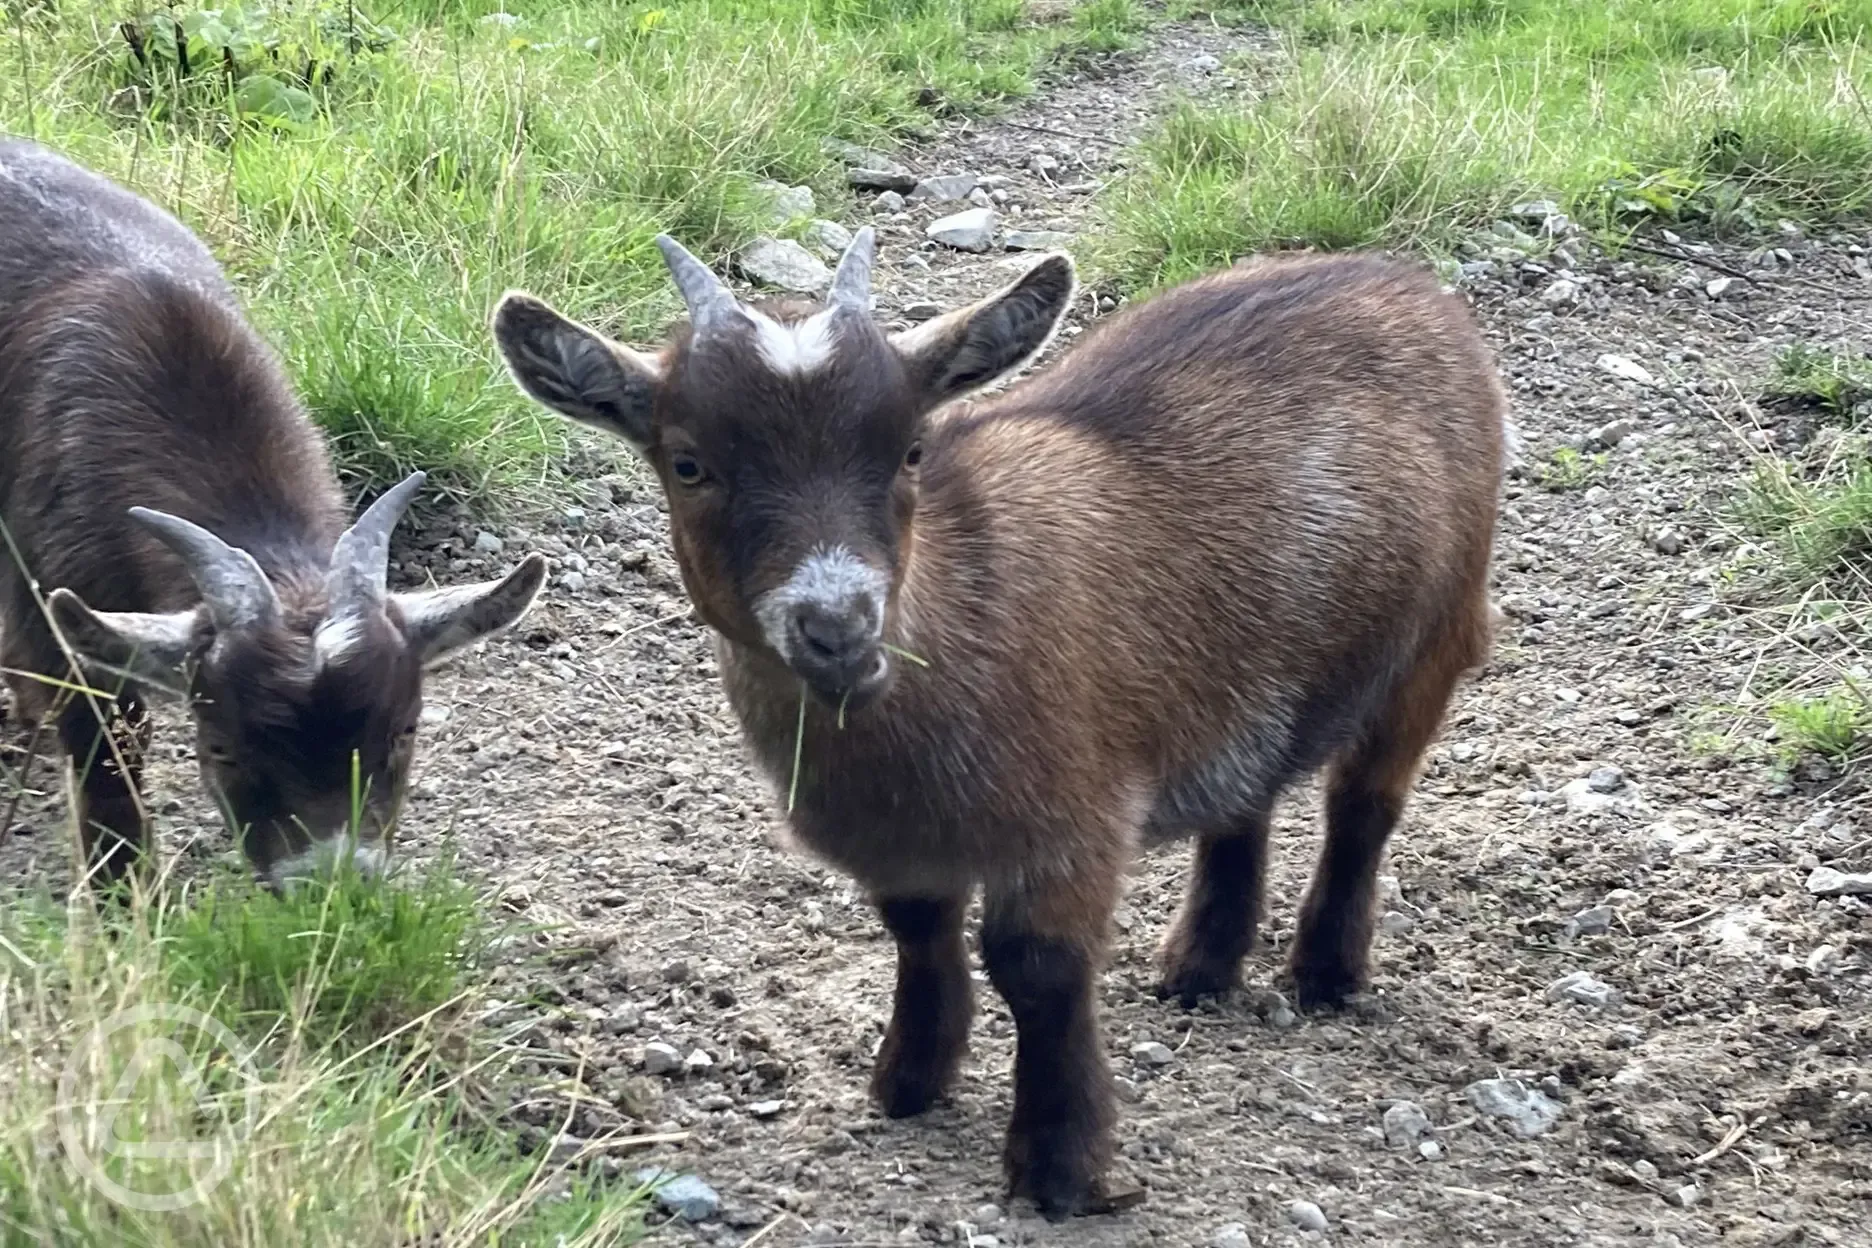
column 1241, row 532
column 158, row 474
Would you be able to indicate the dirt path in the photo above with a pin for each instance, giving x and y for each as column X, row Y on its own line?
column 590, row 766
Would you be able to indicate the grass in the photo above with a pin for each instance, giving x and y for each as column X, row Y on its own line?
column 1838, row 383
column 1832, row 726
column 317, row 1050
column 1416, row 122
column 1568, row 469
column 374, row 174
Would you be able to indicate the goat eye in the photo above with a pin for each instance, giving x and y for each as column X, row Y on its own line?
column 914, row 455
column 687, row 469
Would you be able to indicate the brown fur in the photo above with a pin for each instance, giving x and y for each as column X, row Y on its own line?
column 1240, row 532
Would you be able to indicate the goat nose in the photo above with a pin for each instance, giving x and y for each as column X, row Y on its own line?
column 833, row 635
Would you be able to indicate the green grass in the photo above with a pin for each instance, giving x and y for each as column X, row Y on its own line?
column 348, row 1102
column 374, row 186
column 1413, row 122
column 1819, row 523
column 1832, row 725
column 1568, row 469
column 1838, row 383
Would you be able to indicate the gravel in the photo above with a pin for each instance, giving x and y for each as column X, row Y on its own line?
column 1527, row 1112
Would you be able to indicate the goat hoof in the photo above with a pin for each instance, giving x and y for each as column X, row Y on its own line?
column 1324, row 988
column 1192, row 982
column 1061, row 1178
column 904, row 1091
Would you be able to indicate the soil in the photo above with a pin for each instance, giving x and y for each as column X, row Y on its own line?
column 588, row 766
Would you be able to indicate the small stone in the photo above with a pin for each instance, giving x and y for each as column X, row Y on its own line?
column 1717, row 287
column 783, row 263
column 1203, row 64
column 1591, row 921
column 686, row 1197
column 1036, row 240
column 766, row 1109
column 572, row 581
column 1043, row 164
column 1606, row 780
column 1430, row 1150
column 986, row 1215
column 661, row 1059
column 1584, row 988
column 1560, row 293
column 1395, row 923
column 1306, row 1215
column 675, row 972
column 1283, row 1018
column 829, row 237
column 944, row 188
column 573, row 517
column 1667, row 542
column 1231, row 1235
column 784, row 202
column 981, row 198
column 1828, row 882
column 1612, row 432
column 1405, row 1123
column 1688, row 1195
column 1527, row 1112
column 1535, row 211
column 888, row 202
column 697, row 1062
column 973, row 230
column 922, row 311
column 1151, row 1053
column 487, row 544
column 880, row 173
column 1626, row 369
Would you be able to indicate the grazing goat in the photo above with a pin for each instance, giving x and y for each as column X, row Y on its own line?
column 1241, row 532
column 159, row 478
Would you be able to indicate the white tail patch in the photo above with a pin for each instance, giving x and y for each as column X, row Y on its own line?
column 794, row 350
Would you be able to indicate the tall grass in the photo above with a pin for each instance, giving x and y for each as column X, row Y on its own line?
column 375, row 187
column 1411, row 121
column 232, row 1068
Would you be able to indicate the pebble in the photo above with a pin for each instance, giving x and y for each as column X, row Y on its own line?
column 973, row 230
column 1430, row 1150
column 1036, row 240
column 981, row 198
column 881, row 175
column 1203, row 64
column 783, row 263
column 1605, row 780
column 888, row 202
column 1560, row 293
column 1232, row 1235
column 1716, row 288
column 1151, row 1053
column 1527, row 1112
column 1535, row 211
column 487, row 544
column 986, row 1215
column 1590, row 922
column 766, row 1109
column 661, row 1059
column 686, row 1197
column 1667, row 542
column 1043, row 164
column 1612, row 432
column 573, row 581
column 944, row 188
column 786, row 202
column 1395, row 923
column 1583, row 988
column 1627, row 369
column 828, row 236
column 1828, row 882
column 1405, row 1123
column 922, row 311
column 1306, row 1215
column 698, row 1062
column 1823, row 960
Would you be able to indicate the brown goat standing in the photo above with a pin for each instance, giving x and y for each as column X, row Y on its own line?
column 128, row 375
column 1241, row 532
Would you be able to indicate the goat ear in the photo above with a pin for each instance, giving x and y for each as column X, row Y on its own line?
column 438, row 622
column 972, row 346
column 148, row 648
column 575, row 370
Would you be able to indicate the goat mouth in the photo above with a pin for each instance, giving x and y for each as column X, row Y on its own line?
column 846, row 693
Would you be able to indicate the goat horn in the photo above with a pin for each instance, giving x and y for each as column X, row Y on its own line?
column 360, row 563
column 851, row 284
column 710, row 302
column 234, row 589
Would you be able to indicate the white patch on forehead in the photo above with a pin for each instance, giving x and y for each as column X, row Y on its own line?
column 834, row 578
column 337, row 639
column 795, row 350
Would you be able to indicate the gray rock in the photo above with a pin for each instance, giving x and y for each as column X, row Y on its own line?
column 888, row 176
column 829, row 237
column 1306, row 1215
column 1395, row 923
column 852, row 153
column 685, row 1196
column 1151, row 1053
column 1203, row 64
column 1605, row 780
column 1527, row 1112
column 1612, row 432
column 487, row 544
column 1036, row 240
column 1590, row 922
column 986, row 1215
column 1628, row 370
column 973, row 230
column 944, row 188
column 783, row 263
column 922, row 311
column 1716, row 288
column 573, row 581
column 1667, row 542
column 1560, row 293
column 1535, row 211
column 1044, row 164
column 573, row 517
column 766, row 1109
column 981, row 198
column 888, row 202
column 697, row 1063
column 1430, row 1150
column 784, row 202
column 661, row 1059
column 1405, row 1123
column 1584, row 988
column 1231, row 1235
column 1828, row 882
